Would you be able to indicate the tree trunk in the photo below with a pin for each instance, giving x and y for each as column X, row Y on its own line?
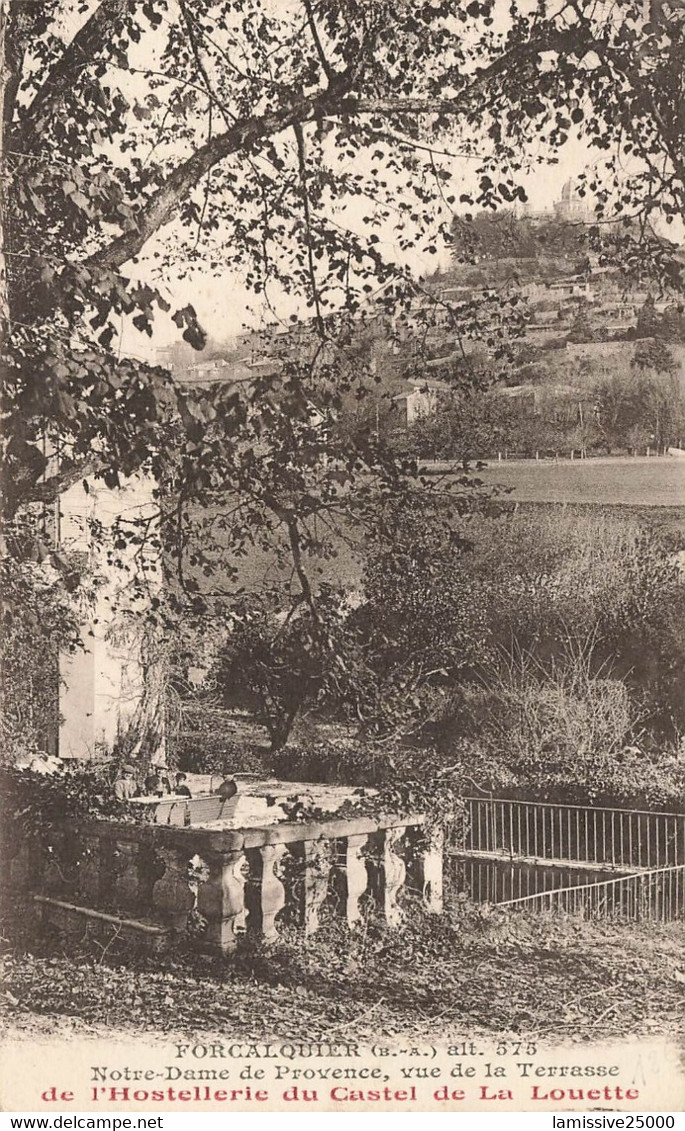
column 5, row 77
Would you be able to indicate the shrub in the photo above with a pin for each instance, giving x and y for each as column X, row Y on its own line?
column 552, row 581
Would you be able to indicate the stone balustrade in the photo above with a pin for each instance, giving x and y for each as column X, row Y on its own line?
column 214, row 885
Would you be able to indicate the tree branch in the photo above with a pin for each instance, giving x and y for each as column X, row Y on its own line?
column 49, row 490
column 295, row 109
column 327, row 69
column 161, row 206
column 302, row 162
column 79, row 53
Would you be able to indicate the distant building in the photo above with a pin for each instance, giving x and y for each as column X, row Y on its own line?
column 421, row 399
column 223, row 371
column 572, row 206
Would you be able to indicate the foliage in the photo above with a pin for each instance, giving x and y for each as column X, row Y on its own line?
column 492, row 237
column 39, row 801
column 648, row 401
column 436, row 800
column 279, row 659
column 40, row 619
column 604, row 587
column 626, row 410
column 207, row 750
column 420, row 621
column 669, row 326
column 631, row 778
column 346, row 651
column 465, row 427
column 552, row 715
column 573, row 629
column 260, row 168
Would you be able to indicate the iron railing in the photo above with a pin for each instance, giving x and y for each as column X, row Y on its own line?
column 657, row 895
column 628, row 838
column 500, row 881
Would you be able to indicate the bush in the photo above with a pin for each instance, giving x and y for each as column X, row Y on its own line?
column 547, row 714
column 554, row 581
column 211, row 753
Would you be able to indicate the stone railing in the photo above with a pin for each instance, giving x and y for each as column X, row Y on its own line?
column 214, row 885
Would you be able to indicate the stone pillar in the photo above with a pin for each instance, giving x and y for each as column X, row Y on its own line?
column 356, row 876
column 221, row 900
column 430, row 860
column 265, row 893
column 424, row 867
column 317, row 867
column 172, row 899
column 106, row 687
column 392, row 876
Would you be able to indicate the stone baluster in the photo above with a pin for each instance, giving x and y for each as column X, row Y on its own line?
column 150, row 868
column 317, row 867
column 429, row 863
column 392, row 876
column 172, row 899
column 90, row 872
column 424, row 867
column 221, row 900
column 125, row 886
column 356, row 876
column 272, row 891
column 265, row 893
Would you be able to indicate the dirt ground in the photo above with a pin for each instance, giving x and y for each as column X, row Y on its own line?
column 536, row 976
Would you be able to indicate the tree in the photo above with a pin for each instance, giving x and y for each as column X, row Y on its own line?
column 582, row 329
column 648, row 323
column 236, row 134
column 653, row 356
column 467, row 426
column 278, row 660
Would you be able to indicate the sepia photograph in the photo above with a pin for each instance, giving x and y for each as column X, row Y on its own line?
column 342, row 557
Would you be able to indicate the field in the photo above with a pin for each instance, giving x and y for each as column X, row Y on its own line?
column 635, row 481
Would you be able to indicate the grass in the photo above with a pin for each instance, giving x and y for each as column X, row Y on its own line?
column 485, row 973
column 637, row 481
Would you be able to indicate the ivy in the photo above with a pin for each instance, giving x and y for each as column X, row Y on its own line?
column 440, row 805
column 39, row 803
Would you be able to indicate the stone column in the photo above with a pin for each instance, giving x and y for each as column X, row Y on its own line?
column 172, row 898
column 392, row 876
column 221, row 900
column 430, row 861
column 265, row 892
column 317, row 867
column 356, row 876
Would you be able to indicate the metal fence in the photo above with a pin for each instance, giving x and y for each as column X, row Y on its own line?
column 657, row 895
column 532, row 830
column 501, row 881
